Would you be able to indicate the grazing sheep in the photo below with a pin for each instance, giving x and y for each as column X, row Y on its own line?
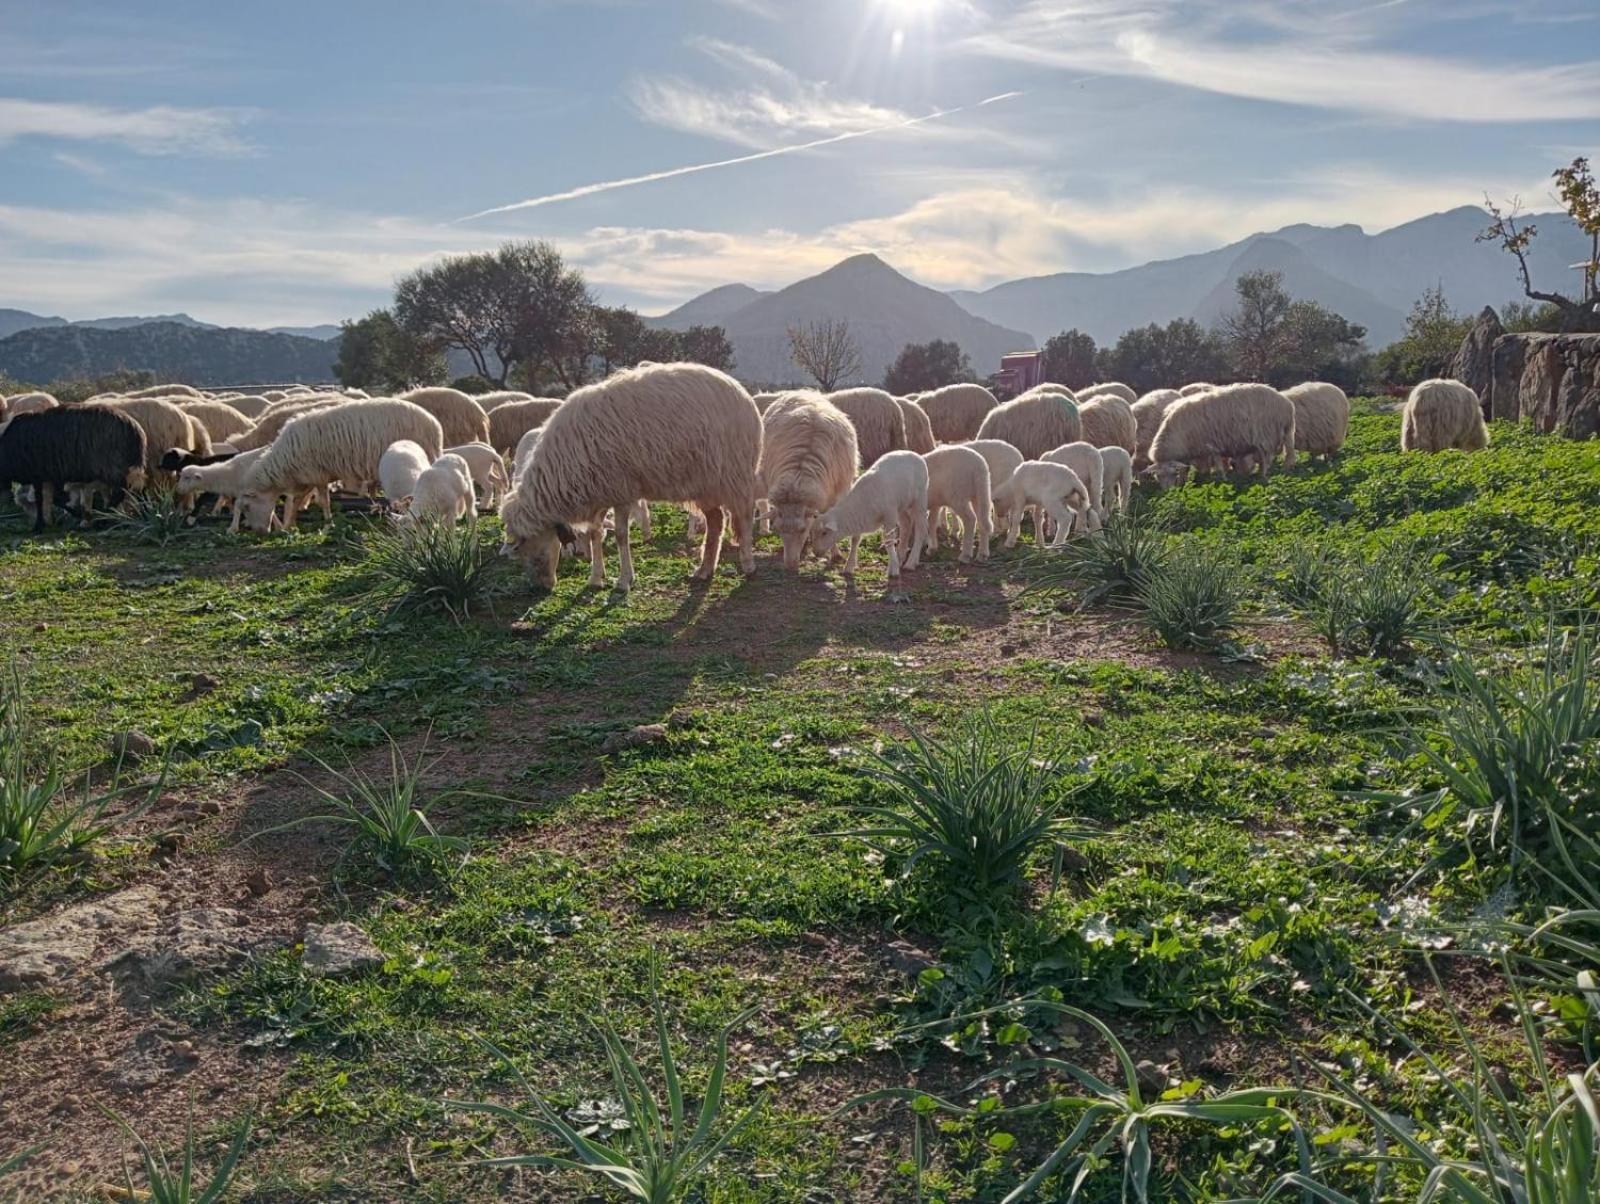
column 919, row 431
column 1034, row 423
column 1442, row 414
column 251, row 407
column 1001, row 457
column 443, row 491
column 1108, row 421
column 763, row 400
column 958, row 479
column 491, row 401
column 1250, row 422
column 523, row 456
column 1117, row 486
column 222, row 421
column 668, row 433
column 880, row 427
column 225, row 478
column 809, row 458
column 52, row 448
column 399, row 467
column 1053, row 489
column 29, row 403
column 1050, row 386
column 1193, row 387
column 891, row 496
column 487, row 468
column 1147, row 414
column 511, row 420
column 1114, row 387
column 336, row 443
column 955, row 412
column 1321, row 417
column 272, row 422
column 461, row 417
column 168, row 391
column 165, row 427
column 1087, row 461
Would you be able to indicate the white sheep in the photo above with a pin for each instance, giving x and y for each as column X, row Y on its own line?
column 340, row 443
column 1147, row 414
column 1249, row 423
column 958, row 480
column 669, row 433
column 165, row 427
column 523, row 456
column 493, row 401
column 173, row 390
column 226, row 479
column 919, row 431
column 955, row 412
column 515, row 417
column 29, row 403
column 1001, row 457
column 1321, row 417
column 251, row 407
column 402, row 462
column 892, row 497
column 809, row 457
column 1195, row 386
column 1053, row 489
column 1034, row 423
column 461, row 418
column 1108, row 421
column 1114, row 387
column 880, row 427
column 221, row 420
column 443, row 491
column 1086, row 460
column 1117, row 485
column 488, row 470
column 272, row 421
column 1441, row 414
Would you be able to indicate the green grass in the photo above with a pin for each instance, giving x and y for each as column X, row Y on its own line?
column 1246, row 909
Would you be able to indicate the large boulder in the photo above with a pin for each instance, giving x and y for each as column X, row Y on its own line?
column 1474, row 362
column 1551, row 379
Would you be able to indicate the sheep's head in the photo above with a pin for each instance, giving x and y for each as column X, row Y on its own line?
column 258, row 512
column 824, row 536
column 539, row 551
column 794, row 525
column 1169, row 473
column 191, row 481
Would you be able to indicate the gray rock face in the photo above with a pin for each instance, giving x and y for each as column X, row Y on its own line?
column 1551, row 379
column 334, row 950
column 1474, row 363
column 189, row 944
column 55, row 948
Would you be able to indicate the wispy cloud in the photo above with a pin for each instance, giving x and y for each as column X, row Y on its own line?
column 159, row 130
column 1290, row 55
column 573, row 194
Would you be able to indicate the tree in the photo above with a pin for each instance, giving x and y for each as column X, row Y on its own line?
column 1527, row 317
column 1434, row 333
column 1317, row 344
column 1069, row 359
column 1580, row 194
column 923, row 366
column 1155, row 357
column 1255, row 330
column 706, row 345
column 376, row 354
column 826, row 350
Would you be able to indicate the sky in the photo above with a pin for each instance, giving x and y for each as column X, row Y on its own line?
column 285, row 163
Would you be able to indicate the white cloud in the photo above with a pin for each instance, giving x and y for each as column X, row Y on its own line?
column 159, row 130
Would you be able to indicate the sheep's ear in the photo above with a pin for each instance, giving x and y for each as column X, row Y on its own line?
column 565, row 533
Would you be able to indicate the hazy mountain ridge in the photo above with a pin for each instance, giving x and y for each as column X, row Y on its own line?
column 194, row 354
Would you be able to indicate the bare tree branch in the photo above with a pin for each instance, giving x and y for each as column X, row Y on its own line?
column 826, row 350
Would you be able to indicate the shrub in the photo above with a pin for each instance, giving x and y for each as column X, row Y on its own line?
column 438, row 566
column 1110, row 564
column 1191, row 598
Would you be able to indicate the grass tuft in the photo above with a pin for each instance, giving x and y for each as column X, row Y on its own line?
column 435, row 566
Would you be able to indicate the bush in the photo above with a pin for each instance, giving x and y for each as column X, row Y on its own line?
column 1191, row 598
column 473, row 384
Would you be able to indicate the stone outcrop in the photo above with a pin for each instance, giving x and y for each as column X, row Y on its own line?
column 1474, row 363
column 1553, row 380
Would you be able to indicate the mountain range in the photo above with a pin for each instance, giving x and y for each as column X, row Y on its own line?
column 175, row 351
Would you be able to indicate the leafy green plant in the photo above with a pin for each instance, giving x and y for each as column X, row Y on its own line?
column 40, row 824
column 1108, row 1115
column 1391, row 603
column 1304, row 573
column 1109, row 565
column 168, row 1185
column 979, row 805
column 1192, row 596
column 390, row 827
column 154, row 516
column 653, row 1154
column 438, row 566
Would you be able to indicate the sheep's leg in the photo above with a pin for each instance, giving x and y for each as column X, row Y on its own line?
column 743, row 520
column 850, row 561
column 712, row 550
column 325, row 498
column 985, row 531
column 1013, row 526
column 597, row 553
column 969, row 528
column 891, row 546
column 624, row 548
column 914, row 533
column 44, row 496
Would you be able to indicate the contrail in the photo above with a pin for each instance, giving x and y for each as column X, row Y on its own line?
column 608, row 185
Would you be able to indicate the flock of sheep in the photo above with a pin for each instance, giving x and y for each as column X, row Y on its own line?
column 819, row 468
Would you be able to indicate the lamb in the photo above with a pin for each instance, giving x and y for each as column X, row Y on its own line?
column 1442, row 414
column 222, row 421
column 338, row 443
column 809, row 457
column 462, row 418
column 880, row 427
column 919, row 431
column 670, row 433
column 443, row 491
column 225, row 478
column 1001, row 457
column 955, row 412
column 273, row 420
column 165, row 427
column 51, row 448
column 511, row 420
column 1088, row 462
column 958, row 478
column 492, row 401
column 1034, row 423
column 487, row 468
column 1117, row 488
column 29, row 403
column 1053, row 488
column 402, row 462
column 891, row 496
column 251, row 407
column 1108, row 421
column 1147, row 414
column 1321, row 417
column 1193, row 387
column 1114, row 387
column 1249, row 421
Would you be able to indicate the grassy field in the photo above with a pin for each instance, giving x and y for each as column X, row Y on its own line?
column 1250, row 886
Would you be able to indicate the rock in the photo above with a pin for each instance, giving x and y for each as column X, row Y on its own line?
column 41, row 626
column 259, row 882
column 908, row 958
column 1551, row 379
column 1152, row 1078
column 131, row 746
column 209, row 806
column 636, row 737
column 337, row 949
column 189, row 944
column 201, row 684
column 56, row 948
column 1474, row 362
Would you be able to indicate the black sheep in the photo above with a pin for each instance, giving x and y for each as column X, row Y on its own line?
column 72, row 444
